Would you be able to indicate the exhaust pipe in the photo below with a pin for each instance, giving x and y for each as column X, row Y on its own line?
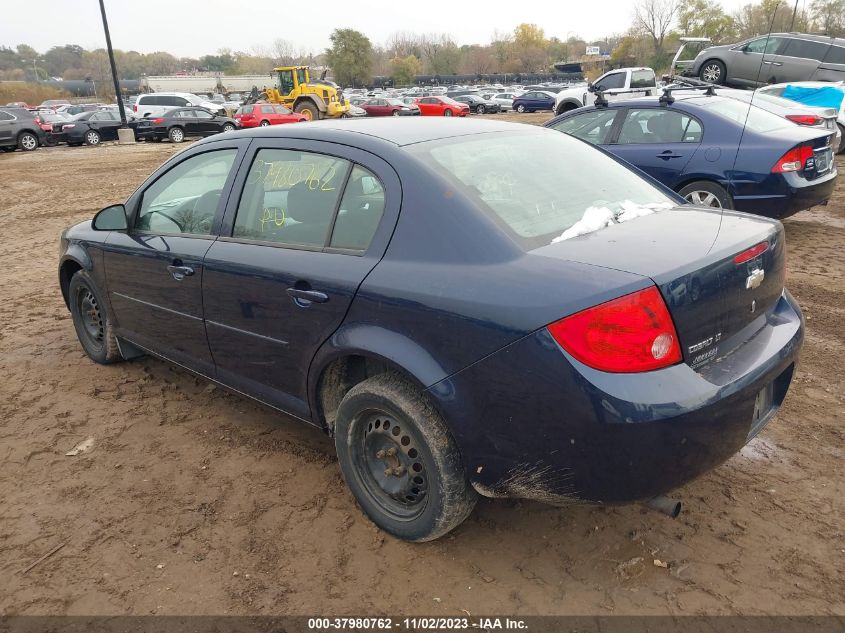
column 665, row 505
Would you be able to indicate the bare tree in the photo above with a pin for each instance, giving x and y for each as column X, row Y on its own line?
column 655, row 18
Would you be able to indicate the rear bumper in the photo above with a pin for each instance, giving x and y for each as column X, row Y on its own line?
column 530, row 424
column 795, row 194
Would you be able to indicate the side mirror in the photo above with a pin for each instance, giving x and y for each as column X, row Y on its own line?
column 111, row 218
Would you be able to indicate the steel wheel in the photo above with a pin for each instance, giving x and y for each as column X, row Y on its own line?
column 387, row 463
column 92, row 319
column 703, row 199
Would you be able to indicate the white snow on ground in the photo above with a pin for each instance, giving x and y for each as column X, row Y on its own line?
column 596, row 218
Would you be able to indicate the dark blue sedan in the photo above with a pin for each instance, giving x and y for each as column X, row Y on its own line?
column 692, row 145
column 533, row 101
column 459, row 324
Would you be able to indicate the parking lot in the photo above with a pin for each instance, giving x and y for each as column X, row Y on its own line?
column 191, row 500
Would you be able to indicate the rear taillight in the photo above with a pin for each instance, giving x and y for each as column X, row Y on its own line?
column 158, row 121
column 630, row 334
column 135, row 107
column 794, row 160
column 805, row 119
column 751, row 253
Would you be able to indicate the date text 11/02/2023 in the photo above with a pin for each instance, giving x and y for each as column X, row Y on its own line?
column 417, row 623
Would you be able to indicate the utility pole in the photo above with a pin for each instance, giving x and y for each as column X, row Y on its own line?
column 123, row 137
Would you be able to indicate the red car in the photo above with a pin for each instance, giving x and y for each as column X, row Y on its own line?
column 264, row 114
column 441, row 106
column 387, row 106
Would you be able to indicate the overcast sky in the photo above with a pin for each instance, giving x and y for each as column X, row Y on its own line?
column 197, row 27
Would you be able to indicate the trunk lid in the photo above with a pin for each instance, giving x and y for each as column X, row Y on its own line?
column 715, row 302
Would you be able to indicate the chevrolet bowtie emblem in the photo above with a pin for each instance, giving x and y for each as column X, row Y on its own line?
column 754, row 279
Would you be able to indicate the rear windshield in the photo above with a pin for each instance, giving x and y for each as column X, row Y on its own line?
column 536, row 185
column 756, row 119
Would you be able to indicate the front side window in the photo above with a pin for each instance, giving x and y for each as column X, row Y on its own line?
column 659, row 125
column 535, row 205
column 290, row 197
column 280, row 109
column 769, row 45
column 267, row 109
column 836, row 55
column 592, row 127
column 611, row 81
column 185, row 199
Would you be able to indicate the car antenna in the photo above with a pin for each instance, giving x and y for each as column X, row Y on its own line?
column 756, row 82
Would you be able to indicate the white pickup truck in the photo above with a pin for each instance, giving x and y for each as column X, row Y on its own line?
column 623, row 83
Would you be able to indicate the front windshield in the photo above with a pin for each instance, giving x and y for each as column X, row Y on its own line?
column 537, row 184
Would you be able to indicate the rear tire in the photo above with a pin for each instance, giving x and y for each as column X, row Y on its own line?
column 704, row 193
column 386, row 424
column 27, row 141
column 264, row 124
column 92, row 137
column 520, row 108
column 841, row 140
column 308, row 110
column 176, row 134
column 91, row 320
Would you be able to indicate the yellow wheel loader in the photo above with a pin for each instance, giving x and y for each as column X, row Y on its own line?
column 320, row 99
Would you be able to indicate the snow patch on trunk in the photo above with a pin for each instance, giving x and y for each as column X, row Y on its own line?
column 596, row 218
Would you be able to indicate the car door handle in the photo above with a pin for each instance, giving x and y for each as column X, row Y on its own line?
column 765, row 63
column 180, row 272
column 669, row 154
column 304, row 297
column 776, row 64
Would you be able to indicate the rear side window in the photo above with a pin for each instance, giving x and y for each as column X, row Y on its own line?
column 360, row 211
column 806, row 49
column 592, row 126
column 535, row 205
column 290, row 197
column 642, row 79
column 659, row 125
column 5, row 116
column 185, row 199
column 836, row 55
column 267, row 109
column 757, row 119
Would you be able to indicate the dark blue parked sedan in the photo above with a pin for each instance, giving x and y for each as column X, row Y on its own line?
column 533, row 101
column 691, row 146
column 459, row 324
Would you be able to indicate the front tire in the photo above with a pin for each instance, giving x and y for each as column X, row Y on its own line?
column 264, row 124
column 703, row 193
column 228, row 127
column 176, row 135
column 28, row 142
column 713, row 71
column 91, row 320
column 447, row 113
column 399, row 460
column 480, row 109
column 842, row 140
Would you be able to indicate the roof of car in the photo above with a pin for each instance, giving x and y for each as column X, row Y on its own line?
column 404, row 131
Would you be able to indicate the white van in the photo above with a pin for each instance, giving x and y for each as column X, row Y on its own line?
column 157, row 103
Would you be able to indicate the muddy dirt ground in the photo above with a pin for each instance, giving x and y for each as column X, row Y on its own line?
column 195, row 501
